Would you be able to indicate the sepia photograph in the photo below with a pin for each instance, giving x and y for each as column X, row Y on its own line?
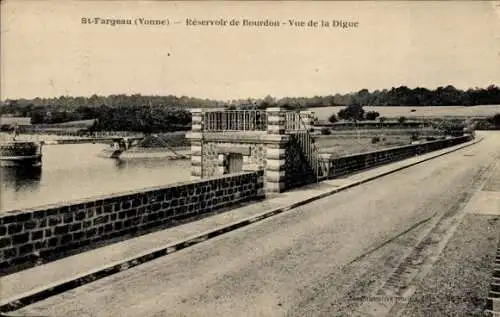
column 249, row 158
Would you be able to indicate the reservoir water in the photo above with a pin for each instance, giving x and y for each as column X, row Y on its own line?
column 74, row 171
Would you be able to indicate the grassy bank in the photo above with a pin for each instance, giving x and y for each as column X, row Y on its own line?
column 347, row 146
column 347, row 142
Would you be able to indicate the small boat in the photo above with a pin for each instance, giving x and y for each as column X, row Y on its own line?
column 21, row 153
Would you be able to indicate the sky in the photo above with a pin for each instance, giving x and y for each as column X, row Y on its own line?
column 46, row 50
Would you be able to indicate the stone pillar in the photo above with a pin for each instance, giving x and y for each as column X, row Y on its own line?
column 307, row 117
column 196, row 137
column 276, row 143
column 275, row 120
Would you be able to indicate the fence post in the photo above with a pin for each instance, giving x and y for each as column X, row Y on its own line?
column 196, row 137
column 276, row 145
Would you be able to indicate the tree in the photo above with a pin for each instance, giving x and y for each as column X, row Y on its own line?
column 362, row 97
column 402, row 120
column 353, row 112
column 326, row 131
column 372, row 115
column 38, row 115
column 267, row 102
column 86, row 112
column 142, row 119
column 495, row 120
column 333, row 118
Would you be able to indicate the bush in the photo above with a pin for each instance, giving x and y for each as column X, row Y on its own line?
column 326, row 131
column 372, row 115
column 353, row 112
column 333, row 118
column 375, row 139
column 495, row 120
column 7, row 128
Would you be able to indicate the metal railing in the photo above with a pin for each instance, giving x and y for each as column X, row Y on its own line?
column 296, row 126
column 293, row 122
column 235, row 120
column 256, row 120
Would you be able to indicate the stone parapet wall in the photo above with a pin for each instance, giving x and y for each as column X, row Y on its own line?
column 493, row 300
column 349, row 164
column 27, row 236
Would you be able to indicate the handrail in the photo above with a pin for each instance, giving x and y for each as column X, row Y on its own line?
column 235, row 120
column 294, row 124
column 292, row 121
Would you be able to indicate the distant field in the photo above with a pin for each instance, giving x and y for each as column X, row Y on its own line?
column 481, row 111
column 14, row 120
column 349, row 145
column 26, row 121
column 342, row 143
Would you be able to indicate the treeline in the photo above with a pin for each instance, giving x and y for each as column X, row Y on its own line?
column 53, row 114
column 442, row 96
column 147, row 119
column 115, row 112
column 163, row 113
column 154, row 118
column 72, row 105
column 400, row 96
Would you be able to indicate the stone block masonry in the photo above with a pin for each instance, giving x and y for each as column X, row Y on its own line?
column 207, row 154
column 214, row 151
column 27, row 236
column 493, row 301
column 277, row 141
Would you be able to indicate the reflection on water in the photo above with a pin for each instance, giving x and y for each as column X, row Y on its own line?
column 74, row 171
column 22, row 178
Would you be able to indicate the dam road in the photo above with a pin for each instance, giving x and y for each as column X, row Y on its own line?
column 326, row 258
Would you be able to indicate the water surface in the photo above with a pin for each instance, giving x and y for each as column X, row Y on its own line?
column 74, row 171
